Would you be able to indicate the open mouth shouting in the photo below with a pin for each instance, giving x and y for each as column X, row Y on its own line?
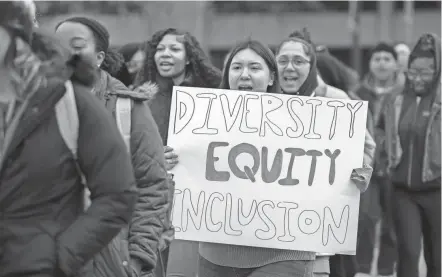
column 290, row 79
column 166, row 66
column 245, row 87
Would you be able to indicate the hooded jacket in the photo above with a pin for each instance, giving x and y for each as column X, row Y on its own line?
column 391, row 149
column 141, row 239
column 43, row 228
column 366, row 91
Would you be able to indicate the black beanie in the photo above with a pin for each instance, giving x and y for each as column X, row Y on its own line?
column 384, row 47
column 100, row 32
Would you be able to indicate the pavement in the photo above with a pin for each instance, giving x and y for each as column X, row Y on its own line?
column 422, row 265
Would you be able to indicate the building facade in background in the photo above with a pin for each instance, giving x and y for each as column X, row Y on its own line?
column 220, row 24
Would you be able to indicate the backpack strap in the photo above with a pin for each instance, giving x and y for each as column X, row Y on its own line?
column 69, row 124
column 123, row 117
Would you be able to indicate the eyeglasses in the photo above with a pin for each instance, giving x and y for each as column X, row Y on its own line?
column 297, row 61
column 424, row 74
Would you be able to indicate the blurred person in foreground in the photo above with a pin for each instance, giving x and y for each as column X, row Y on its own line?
column 44, row 230
column 298, row 75
column 375, row 205
column 174, row 58
column 411, row 152
column 134, row 251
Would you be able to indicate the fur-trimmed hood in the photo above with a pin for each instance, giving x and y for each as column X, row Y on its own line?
column 107, row 86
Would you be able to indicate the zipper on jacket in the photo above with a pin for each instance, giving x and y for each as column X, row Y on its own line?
column 410, row 166
column 411, row 149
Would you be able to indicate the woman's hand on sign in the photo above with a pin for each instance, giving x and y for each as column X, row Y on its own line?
column 361, row 177
column 171, row 157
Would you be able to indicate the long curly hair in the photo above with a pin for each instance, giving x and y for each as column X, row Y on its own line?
column 200, row 70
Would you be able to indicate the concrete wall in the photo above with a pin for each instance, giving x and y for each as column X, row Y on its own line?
column 222, row 31
column 327, row 28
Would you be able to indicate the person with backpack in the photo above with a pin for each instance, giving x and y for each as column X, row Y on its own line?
column 44, row 230
column 137, row 244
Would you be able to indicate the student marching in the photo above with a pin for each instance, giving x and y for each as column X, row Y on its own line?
column 147, row 160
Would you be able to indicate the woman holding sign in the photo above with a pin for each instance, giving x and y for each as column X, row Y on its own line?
column 296, row 60
column 252, row 67
column 174, row 58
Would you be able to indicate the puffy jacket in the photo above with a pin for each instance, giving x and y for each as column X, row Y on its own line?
column 135, row 249
column 43, row 228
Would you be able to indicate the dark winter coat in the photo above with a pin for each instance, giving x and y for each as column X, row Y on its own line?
column 392, row 151
column 140, row 240
column 43, row 228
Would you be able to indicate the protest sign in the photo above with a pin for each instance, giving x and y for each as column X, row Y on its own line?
column 266, row 170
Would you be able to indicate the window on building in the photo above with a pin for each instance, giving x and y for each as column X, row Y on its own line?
column 419, row 5
column 266, row 6
column 51, row 8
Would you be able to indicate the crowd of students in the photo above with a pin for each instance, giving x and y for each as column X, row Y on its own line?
column 85, row 182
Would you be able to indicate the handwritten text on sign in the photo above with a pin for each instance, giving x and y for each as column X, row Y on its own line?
column 266, row 170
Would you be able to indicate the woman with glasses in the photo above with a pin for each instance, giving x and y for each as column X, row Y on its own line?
column 296, row 61
column 251, row 66
column 411, row 124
